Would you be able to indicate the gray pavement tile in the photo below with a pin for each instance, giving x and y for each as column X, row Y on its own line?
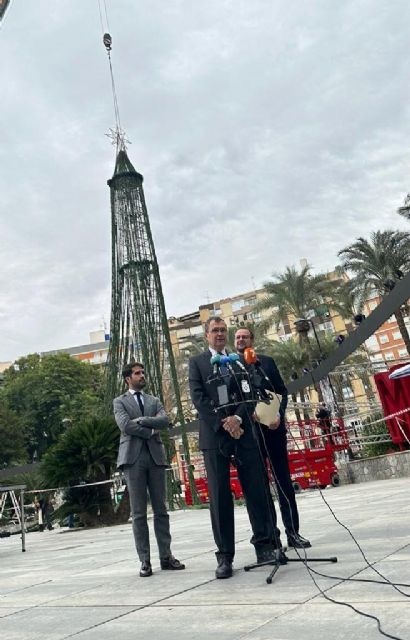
column 86, row 582
column 9, row 611
column 327, row 621
column 186, row 623
column 371, row 592
column 290, row 585
column 135, row 591
column 44, row 593
column 38, row 623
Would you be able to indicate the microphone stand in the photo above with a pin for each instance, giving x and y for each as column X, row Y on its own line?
column 279, row 559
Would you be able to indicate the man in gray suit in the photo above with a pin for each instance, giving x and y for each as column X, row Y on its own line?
column 141, row 455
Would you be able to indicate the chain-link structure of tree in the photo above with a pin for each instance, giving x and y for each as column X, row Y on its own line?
column 139, row 328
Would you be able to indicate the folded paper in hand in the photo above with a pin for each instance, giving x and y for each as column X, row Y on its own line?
column 268, row 413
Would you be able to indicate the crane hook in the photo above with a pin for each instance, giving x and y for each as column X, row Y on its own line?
column 107, row 40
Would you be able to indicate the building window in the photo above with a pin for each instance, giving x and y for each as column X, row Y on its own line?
column 383, row 338
column 195, row 331
column 389, row 356
column 238, row 304
column 347, row 393
column 372, row 343
column 403, row 353
column 396, row 335
column 326, row 326
column 254, row 317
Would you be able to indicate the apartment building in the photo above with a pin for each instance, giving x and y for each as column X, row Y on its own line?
column 386, row 343
column 95, row 352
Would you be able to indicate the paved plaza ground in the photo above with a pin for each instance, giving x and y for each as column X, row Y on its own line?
column 84, row 583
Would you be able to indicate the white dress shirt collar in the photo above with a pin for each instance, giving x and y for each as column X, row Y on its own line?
column 214, row 351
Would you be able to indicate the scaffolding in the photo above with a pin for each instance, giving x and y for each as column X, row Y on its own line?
column 17, row 509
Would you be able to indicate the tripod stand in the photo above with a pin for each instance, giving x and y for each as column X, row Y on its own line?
column 280, row 560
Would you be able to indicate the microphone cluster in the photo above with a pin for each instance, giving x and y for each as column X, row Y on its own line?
column 250, row 380
column 221, row 360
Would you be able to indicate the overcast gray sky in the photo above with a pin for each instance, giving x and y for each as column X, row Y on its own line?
column 266, row 130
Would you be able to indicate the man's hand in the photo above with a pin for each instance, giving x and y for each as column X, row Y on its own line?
column 232, row 425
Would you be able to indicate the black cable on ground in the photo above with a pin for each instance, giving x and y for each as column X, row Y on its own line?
column 305, row 559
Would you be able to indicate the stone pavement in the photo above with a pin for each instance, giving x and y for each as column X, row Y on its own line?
column 84, row 583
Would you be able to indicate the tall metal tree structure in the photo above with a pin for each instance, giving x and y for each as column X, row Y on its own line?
column 138, row 329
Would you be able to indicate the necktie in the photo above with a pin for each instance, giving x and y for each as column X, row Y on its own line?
column 140, row 402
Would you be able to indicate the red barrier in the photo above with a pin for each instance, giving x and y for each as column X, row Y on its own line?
column 394, row 397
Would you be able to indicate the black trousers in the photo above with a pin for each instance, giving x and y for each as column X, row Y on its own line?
column 254, row 484
column 275, row 442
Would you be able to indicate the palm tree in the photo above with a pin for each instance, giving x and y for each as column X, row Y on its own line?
column 296, row 294
column 405, row 209
column 375, row 265
column 86, row 453
column 293, row 293
column 346, row 301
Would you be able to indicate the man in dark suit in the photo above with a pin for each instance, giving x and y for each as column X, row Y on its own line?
column 274, row 443
column 141, row 455
column 223, row 434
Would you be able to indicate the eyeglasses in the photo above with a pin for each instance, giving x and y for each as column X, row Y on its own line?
column 219, row 330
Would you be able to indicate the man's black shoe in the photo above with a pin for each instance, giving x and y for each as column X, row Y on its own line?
column 171, row 564
column 298, row 542
column 224, row 569
column 269, row 555
column 146, row 569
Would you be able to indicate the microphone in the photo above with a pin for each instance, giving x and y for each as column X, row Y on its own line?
column 226, row 362
column 249, row 355
column 216, row 362
column 256, row 372
column 234, row 357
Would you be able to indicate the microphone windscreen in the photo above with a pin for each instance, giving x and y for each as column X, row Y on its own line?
column 216, row 359
column 249, row 355
column 233, row 357
column 225, row 360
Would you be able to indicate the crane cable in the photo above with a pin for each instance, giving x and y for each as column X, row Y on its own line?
column 107, row 41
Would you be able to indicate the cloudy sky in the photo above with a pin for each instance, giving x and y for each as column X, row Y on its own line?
column 266, row 131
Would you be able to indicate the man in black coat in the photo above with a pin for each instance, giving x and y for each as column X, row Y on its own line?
column 274, row 442
column 223, row 434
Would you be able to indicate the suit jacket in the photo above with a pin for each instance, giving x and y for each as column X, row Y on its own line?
column 276, row 384
column 136, row 428
column 204, row 396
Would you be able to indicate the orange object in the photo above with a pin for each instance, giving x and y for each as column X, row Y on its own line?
column 249, row 355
